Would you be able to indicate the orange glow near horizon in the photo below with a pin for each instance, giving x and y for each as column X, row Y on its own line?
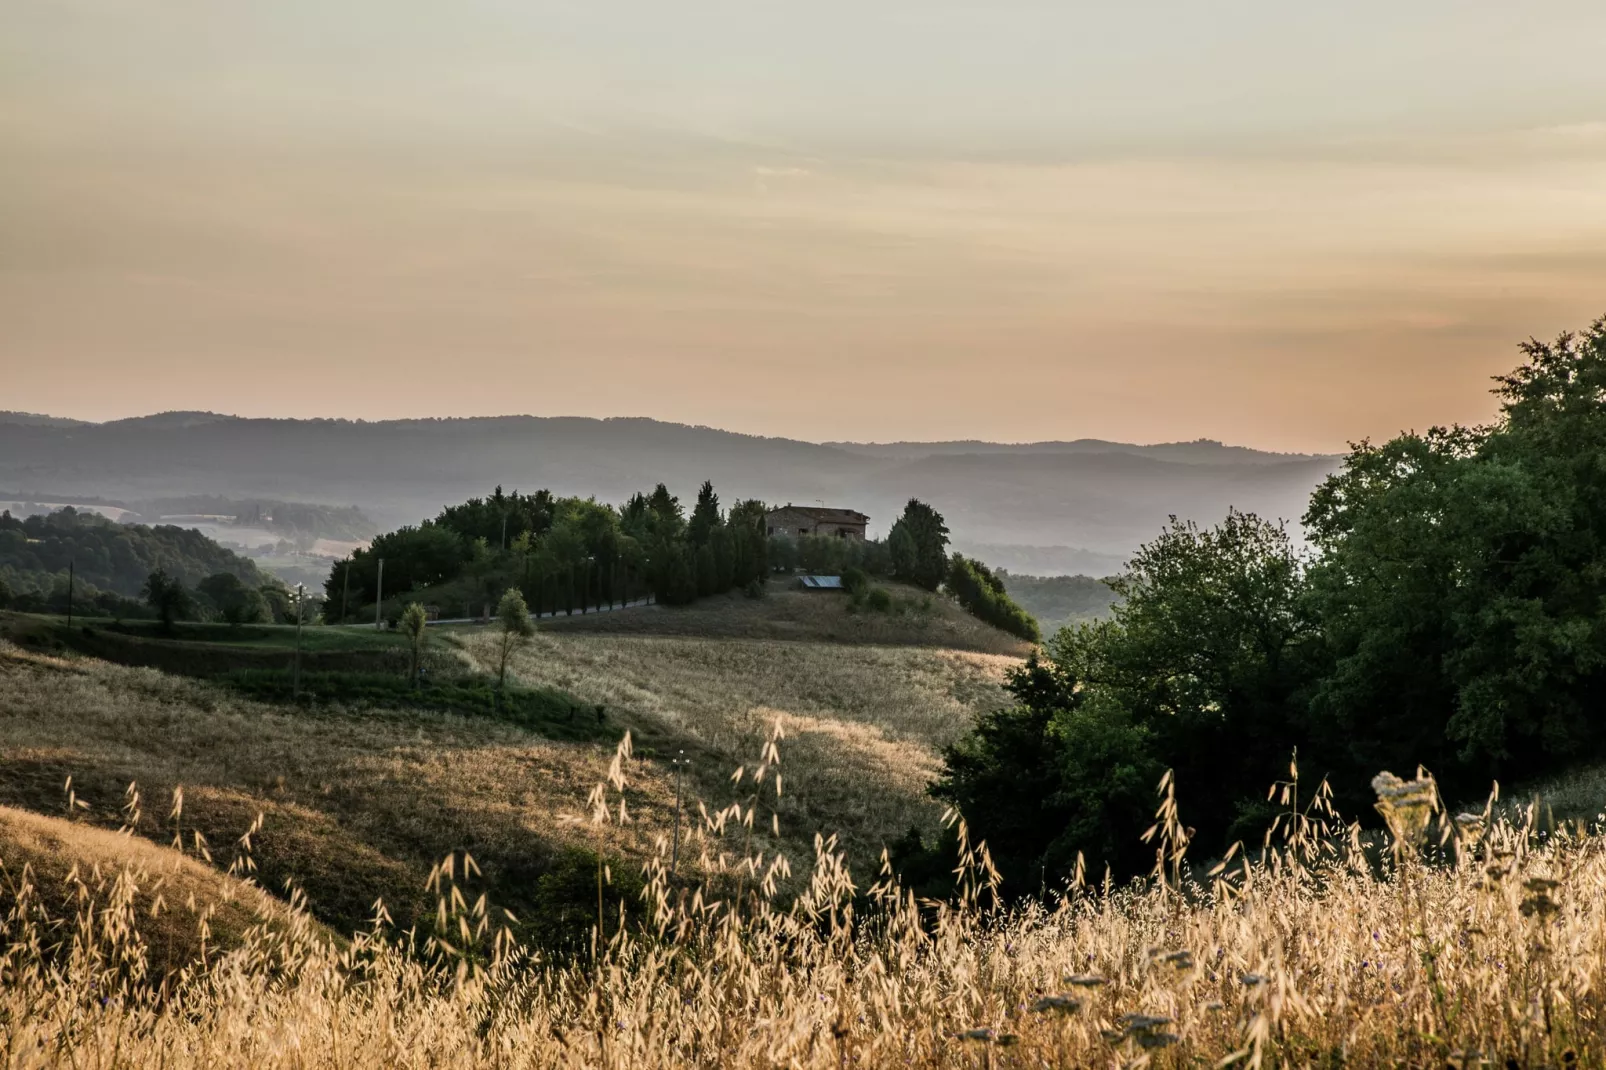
column 317, row 215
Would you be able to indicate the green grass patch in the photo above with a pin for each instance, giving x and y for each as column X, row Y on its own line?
column 348, row 666
column 205, row 651
column 550, row 712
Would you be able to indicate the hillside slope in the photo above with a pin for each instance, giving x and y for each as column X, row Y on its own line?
column 58, row 864
column 360, row 802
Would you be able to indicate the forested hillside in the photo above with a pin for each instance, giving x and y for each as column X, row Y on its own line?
column 1057, row 601
column 106, row 557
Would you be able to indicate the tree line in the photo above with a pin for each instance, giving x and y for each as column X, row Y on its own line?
column 1449, row 611
column 561, row 554
column 566, row 555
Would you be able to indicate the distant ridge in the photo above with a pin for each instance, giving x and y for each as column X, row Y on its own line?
column 1199, row 451
column 170, row 420
column 1081, row 500
column 34, row 419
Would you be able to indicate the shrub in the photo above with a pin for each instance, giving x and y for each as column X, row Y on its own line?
column 566, row 899
column 983, row 596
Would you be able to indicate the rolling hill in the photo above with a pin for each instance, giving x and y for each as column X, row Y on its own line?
column 362, row 797
column 70, row 863
column 1097, row 498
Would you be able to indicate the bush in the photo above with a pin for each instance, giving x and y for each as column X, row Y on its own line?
column 566, row 899
column 983, row 596
column 879, row 600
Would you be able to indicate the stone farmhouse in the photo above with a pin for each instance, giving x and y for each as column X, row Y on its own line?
column 795, row 520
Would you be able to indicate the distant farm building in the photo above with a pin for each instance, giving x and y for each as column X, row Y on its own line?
column 795, row 520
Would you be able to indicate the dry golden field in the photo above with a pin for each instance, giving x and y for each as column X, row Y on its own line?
column 789, row 614
column 775, row 948
column 1494, row 956
column 359, row 804
column 172, row 893
column 865, row 724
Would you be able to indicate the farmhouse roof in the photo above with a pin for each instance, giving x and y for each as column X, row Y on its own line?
column 828, row 516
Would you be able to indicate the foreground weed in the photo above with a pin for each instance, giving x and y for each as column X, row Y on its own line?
column 1475, row 941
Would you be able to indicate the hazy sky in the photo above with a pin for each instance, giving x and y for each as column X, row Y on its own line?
column 1281, row 224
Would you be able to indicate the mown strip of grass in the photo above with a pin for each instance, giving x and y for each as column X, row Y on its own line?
column 551, row 712
column 362, row 672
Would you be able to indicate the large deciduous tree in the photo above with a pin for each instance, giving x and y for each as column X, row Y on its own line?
column 167, row 597
column 1461, row 579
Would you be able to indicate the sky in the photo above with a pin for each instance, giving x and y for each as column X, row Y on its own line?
column 1283, row 225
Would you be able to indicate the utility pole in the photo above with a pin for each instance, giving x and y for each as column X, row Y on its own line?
column 295, row 680
column 71, row 564
column 379, row 596
column 680, row 764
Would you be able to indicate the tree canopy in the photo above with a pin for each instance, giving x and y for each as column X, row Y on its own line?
column 561, row 553
column 108, row 556
column 918, row 543
column 1450, row 611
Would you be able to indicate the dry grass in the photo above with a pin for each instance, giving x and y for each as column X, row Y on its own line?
column 787, row 615
column 865, row 723
column 1304, row 958
column 357, row 806
column 68, row 863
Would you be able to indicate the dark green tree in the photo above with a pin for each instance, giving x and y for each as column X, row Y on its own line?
column 664, row 516
column 513, row 620
column 750, row 543
column 705, row 517
column 1213, row 649
column 918, row 543
column 233, row 600
column 414, row 622
column 983, row 596
column 167, row 597
column 1204, row 669
column 1053, row 777
column 1460, row 581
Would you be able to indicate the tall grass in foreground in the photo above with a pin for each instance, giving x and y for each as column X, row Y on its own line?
column 1309, row 951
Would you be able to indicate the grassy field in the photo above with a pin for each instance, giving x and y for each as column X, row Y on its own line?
column 358, row 804
column 52, row 866
column 363, row 796
column 864, row 723
column 790, row 615
column 775, row 948
column 1490, row 956
column 197, row 649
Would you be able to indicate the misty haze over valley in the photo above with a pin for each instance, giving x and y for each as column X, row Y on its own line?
column 1044, row 508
